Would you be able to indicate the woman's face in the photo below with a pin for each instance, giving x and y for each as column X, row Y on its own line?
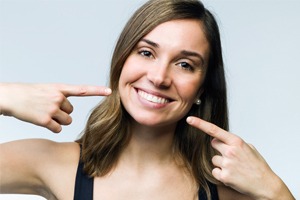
column 162, row 77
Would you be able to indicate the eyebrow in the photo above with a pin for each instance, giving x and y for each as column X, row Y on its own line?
column 150, row 43
column 183, row 52
column 193, row 54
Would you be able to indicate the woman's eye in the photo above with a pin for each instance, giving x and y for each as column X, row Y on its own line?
column 145, row 53
column 186, row 66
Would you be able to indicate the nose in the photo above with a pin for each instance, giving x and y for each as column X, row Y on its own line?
column 159, row 75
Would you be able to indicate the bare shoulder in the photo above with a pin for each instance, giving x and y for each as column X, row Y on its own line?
column 227, row 193
column 41, row 150
column 62, row 168
column 43, row 167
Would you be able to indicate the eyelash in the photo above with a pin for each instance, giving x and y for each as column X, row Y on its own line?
column 188, row 66
column 144, row 52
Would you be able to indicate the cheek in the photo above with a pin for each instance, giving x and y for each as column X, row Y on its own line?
column 126, row 71
column 131, row 70
column 189, row 89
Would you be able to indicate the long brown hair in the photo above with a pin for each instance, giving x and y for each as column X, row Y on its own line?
column 108, row 129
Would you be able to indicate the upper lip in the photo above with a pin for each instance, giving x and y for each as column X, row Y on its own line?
column 158, row 94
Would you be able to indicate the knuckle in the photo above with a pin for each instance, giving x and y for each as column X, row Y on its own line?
column 225, row 177
column 231, row 152
column 58, row 97
column 239, row 141
column 212, row 129
column 226, row 164
column 214, row 141
column 53, row 110
column 46, row 121
column 81, row 90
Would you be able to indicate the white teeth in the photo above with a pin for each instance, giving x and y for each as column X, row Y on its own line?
column 152, row 98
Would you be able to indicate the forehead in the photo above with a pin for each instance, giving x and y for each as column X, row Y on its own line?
column 185, row 34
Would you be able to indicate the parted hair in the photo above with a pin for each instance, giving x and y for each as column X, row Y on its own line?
column 107, row 131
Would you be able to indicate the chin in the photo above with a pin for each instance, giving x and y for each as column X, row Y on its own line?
column 154, row 122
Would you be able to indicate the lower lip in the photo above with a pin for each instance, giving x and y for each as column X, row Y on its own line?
column 150, row 103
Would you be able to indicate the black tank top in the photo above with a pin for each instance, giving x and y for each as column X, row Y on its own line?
column 84, row 187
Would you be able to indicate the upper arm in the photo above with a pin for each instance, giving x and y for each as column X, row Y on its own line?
column 21, row 164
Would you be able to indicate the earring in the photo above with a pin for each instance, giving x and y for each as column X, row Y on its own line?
column 198, row 102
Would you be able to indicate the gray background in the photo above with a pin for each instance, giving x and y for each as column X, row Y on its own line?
column 71, row 41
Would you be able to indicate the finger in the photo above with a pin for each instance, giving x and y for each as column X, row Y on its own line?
column 62, row 118
column 216, row 172
column 211, row 129
column 84, row 90
column 54, row 126
column 217, row 161
column 66, row 106
column 219, row 145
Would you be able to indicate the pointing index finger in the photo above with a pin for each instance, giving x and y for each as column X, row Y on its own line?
column 84, row 90
column 211, row 130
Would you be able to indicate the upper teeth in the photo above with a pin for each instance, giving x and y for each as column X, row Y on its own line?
column 152, row 98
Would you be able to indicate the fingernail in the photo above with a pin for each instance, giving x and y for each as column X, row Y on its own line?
column 189, row 120
column 107, row 91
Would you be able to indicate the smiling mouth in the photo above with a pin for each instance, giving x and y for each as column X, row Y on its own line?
column 153, row 98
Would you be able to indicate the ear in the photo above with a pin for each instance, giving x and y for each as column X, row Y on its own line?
column 199, row 93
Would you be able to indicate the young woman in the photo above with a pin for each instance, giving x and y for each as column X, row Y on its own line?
column 162, row 131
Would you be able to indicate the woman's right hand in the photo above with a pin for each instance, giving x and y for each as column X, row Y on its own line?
column 44, row 104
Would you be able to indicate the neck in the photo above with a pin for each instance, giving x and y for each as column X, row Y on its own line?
column 149, row 146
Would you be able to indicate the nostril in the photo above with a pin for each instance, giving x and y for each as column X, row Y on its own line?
column 159, row 76
column 160, row 81
column 162, row 86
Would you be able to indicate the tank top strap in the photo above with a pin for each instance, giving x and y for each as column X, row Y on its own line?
column 213, row 191
column 84, row 185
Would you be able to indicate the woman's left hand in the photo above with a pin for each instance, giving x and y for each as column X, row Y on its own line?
column 240, row 166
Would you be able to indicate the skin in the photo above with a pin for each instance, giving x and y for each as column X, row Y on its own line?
column 148, row 161
column 49, row 103
column 240, row 166
column 26, row 164
column 158, row 66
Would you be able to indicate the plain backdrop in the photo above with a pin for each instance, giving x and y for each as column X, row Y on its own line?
column 71, row 41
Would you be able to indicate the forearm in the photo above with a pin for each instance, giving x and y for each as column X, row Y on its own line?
column 9, row 98
column 283, row 193
column 278, row 191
